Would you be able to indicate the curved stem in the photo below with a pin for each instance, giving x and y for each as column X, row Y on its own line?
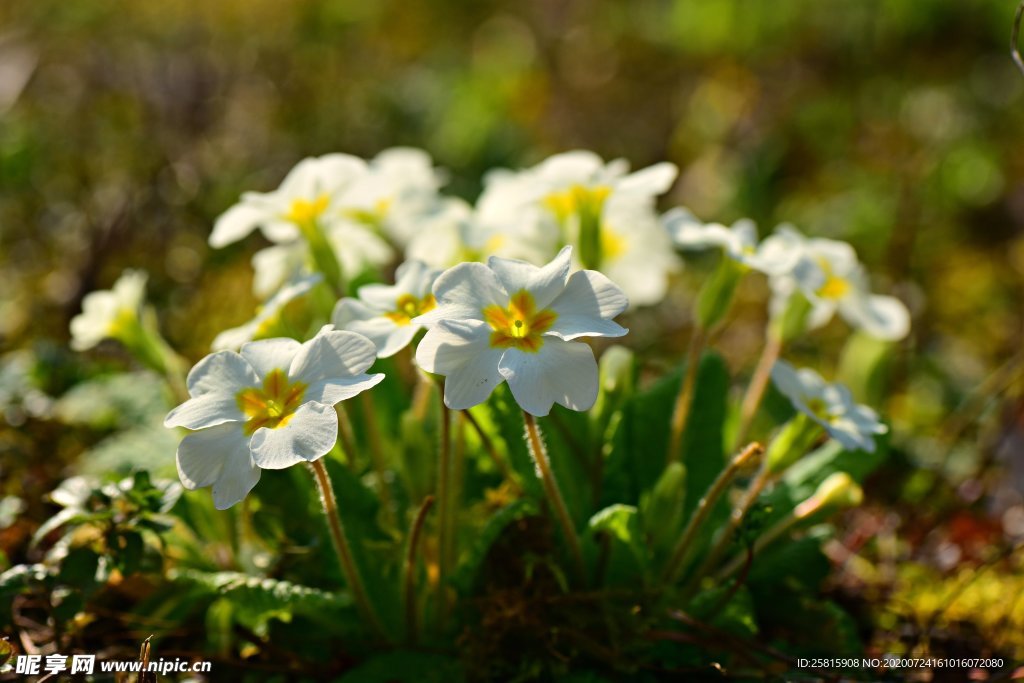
column 758, row 384
column 344, row 550
column 492, row 450
column 377, row 458
column 345, row 435
column 685, row 398
column 409, row 571
column 735, row 519
column 703, row 509
column 554, row 494
column 443, row 504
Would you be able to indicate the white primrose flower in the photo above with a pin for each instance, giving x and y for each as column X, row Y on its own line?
column 399, row 189
column 112, row 313
column 453, row 234
column 603, row 211
column 512, row 321
column 384, row 313
column 830, row 276
column 269, row 406
column 832, row 406
column 311, row 191
column 266, row 317
column 776, row 255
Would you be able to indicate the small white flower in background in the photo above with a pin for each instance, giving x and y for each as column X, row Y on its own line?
column 832, row 406
column 269, row 406
column 776, row 255
column 606, row 213
column 384, row 313
column 310, row 192
column 512, row 321
column 452, row 235
column 268, row 315
column 113, row 313
column 399, row 189
column 830, row 276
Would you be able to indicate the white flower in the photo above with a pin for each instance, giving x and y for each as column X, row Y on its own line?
column 267, row 316
column 776, row 255
column 310, row 192
column 399, row 189
column 110, row 314
column 830, row 405
column 269, row 406
column 453, row 234
column 830, row 276
column 603, row 211
column 511, row 321
column 384, row 313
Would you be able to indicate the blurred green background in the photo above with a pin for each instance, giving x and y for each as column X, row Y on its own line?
column 126, row 128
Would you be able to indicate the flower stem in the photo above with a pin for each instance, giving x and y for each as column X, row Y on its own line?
column 685, row 398
column 721, row 544
column 345, row 435
column 377, row 458
column 496, row 457
column 443, row 504
column 703, row 509
column 758, row 384
column 554, row 494
column 409, row 571
column 344, row 550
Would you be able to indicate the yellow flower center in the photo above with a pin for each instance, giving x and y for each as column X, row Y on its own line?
column 271, row 405
column 577, row 199
column 303, row 211
column 820, row 410
column 409, row 306
column 612, row 245
column 519, row 326
column 371, row 216
column 835, row 287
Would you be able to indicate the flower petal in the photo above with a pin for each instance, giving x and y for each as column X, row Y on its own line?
column 586, row 305
column 308, row 435
column 221, row 372
column 560, row 372
column 544, row 283
column 461, row 351
column 220, row 457
column 268, row 355
column 332, row 354
column 652, row 180
column 884, row 317
column 463, row 292
column 236, row 223
column 333, row 391
column 206, row 410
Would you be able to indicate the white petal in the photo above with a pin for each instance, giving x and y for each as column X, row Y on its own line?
column 223, row 372
column 884, row 317
column 332, row 354
column 463, row 292
column 650, row 181
column 207, row 410
column 586, row 305
column 397, row 339
column 201, row 455
column 276, row 265
column 544, row 283
column 308, row 435
column 236, row 223
column 560, row 372
column 461, row 351
column 334, row 390
column 233, row 338
column 786, row 380
column 578, row 166
column 268, row 355
column 218, row 456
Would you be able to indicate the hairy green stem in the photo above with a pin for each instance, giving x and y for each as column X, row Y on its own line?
column 758, row 384
column 685, row 398
column 535, row 443
column 409, row 571
column 443, row 509
column 677, row 561
column 344, row 550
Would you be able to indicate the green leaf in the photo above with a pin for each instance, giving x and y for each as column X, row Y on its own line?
column 466, row 574
column 613, row 535
column 406, row 666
